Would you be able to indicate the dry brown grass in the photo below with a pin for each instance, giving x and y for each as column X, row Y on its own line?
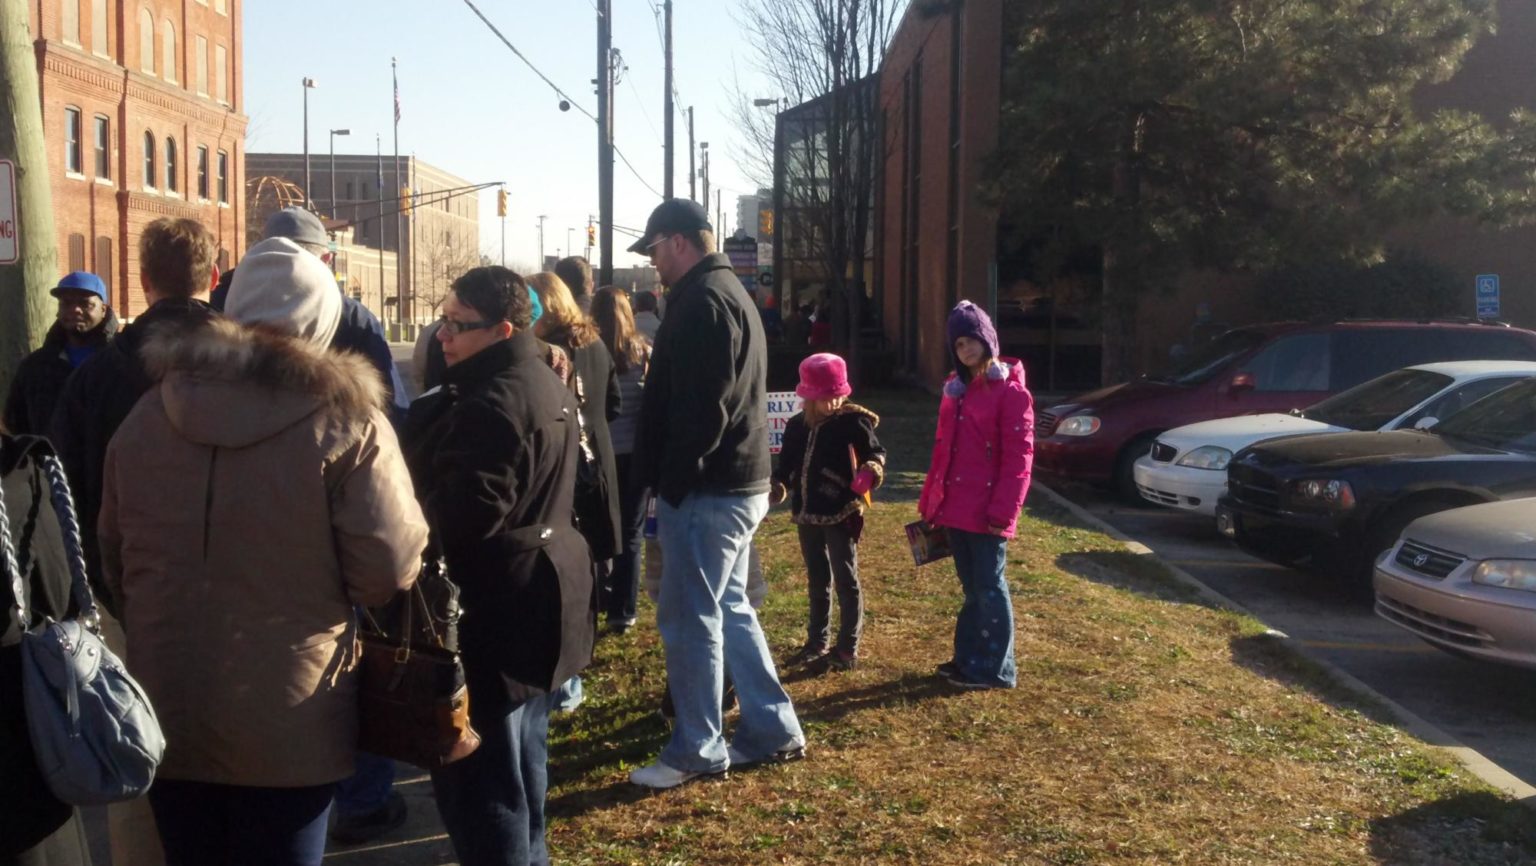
column 1146, row 729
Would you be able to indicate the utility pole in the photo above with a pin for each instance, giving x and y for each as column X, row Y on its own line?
column 704, row 171
column 309, row 200
column 667, row 107
column 604, row 140
column 378, row 150
column 568, row 247
column 24, row 309
column 542, row 218
column 720, row 214
column 401, row 205
column 693, row 172
column 591, row 230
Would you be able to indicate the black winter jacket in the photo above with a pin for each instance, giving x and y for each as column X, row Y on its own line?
column 704, row 421
column 35, row 828
column 600, row 403
column 40, row 379
column 818, row 464
column 95, row 401
column 493, row 454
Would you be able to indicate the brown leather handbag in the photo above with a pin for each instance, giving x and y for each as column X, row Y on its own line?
column 413, row 700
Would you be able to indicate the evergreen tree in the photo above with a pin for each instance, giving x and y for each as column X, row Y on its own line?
column 1241, row 134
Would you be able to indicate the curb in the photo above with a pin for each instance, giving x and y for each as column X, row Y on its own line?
column 1475, row 762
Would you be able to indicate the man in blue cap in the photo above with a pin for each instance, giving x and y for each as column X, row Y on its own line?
column 84, row 325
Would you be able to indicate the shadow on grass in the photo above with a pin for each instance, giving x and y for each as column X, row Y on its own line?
column 1270, row 657
column 1460, row 829
column 1137, row 573
column 907, row 689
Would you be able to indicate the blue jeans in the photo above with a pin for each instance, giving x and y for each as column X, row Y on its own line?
column 368, row 788
column 202, row 823
column 984, row 631
column 492, row 802
column 707, row 625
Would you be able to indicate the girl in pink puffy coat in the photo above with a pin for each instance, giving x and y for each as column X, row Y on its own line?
column 975, row 487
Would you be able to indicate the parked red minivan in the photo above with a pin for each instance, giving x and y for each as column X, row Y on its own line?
column 1265, row 368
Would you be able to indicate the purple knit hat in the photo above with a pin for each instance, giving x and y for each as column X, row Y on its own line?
column 969, row 320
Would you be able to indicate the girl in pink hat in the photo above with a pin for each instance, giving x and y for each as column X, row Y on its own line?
column 829, row 463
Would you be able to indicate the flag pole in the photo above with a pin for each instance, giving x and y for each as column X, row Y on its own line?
column 399, row 214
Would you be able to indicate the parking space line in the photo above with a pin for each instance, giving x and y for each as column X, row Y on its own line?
column 1367, row 647
column 1226, row 563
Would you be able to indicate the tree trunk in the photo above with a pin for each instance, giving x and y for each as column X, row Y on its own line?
column 24, row 314
column 1118, row 320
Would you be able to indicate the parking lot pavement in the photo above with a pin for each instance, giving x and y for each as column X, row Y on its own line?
column 1489, row 708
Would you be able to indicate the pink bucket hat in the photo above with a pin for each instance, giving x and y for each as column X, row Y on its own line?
column 823, row 376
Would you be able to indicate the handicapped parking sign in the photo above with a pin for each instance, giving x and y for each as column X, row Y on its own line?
column 1487, row 296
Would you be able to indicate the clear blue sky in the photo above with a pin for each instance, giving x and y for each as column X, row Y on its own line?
column 473, row 108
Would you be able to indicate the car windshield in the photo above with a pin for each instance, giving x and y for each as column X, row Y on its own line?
column 1209, row 359
column 1505, row 419
column 1369, row 406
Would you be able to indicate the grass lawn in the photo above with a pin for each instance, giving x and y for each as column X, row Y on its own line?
column 1146, row 728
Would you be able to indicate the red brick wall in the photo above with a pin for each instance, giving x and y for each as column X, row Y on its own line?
column 135, row 102
column 925, row 262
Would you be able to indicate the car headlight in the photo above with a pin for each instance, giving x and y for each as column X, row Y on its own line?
column 1324, row 493
column 1078, row 425
column 1507, row 573
column 1207, row 457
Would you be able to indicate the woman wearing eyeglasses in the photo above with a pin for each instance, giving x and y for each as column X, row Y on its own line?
column 493, row 453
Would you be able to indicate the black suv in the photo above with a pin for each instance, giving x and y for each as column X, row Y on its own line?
column 1333, row 502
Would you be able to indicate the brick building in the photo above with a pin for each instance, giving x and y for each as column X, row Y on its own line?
column 142, row 118
column 442, row 232
column 937, row 242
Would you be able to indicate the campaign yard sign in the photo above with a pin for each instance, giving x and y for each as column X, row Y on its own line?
column 782, row 406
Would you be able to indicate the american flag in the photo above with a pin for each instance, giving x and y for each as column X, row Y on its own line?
column 397, row 101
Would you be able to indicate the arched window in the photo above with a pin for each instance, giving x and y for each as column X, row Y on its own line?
column 149, row 160
column 146, row 41
column 171, row 184
column 168, row 50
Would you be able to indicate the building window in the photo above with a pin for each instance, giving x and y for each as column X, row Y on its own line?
column 72, row 163
column 77, row 252
column 223, row 177
column 103, row 148
column 104, row 263
column 149, row 160
column 221, row 73
column 201, row 65
column 168, row 50
column 146, row 41
column 171, row 182
column 351, row 188
column 99, row 28
column 221, row 6
column 71, row 22
column 202, row 173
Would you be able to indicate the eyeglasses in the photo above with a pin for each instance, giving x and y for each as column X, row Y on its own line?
column 453, row 329
column 650, row 248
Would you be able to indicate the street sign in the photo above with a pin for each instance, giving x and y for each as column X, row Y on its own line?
column 1487, row 296
column 10, row 235
column 765, row 278
column 742, row 252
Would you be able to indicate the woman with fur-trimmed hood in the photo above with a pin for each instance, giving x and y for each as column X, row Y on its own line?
column 252, row 498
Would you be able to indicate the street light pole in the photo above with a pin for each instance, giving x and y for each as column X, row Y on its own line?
column 542, row 218
column 309, row 84
column 568, row 246
column 334, row 133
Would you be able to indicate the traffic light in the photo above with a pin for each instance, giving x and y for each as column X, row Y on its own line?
column 501, row 202
column 405, row 200
column 591, row 235
column 765, row 223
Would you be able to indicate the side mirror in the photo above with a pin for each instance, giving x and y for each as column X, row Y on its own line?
column 1242, row 382
column 1426, row 422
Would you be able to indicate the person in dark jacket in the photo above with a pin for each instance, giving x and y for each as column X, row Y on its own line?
column 85, row 324
column 35, row 828
column 176, row 270
column 360, row 330
column 597, row 383
column 703, row 446
column 493, row 454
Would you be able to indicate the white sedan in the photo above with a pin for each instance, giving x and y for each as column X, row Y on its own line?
column 1187, row 467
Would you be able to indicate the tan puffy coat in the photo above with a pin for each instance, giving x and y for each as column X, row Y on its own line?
column 250, row 499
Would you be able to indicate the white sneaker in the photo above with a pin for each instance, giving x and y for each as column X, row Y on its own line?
column 661, row 776
column 789, row 753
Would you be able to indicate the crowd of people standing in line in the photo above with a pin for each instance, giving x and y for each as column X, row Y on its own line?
column 245, row 489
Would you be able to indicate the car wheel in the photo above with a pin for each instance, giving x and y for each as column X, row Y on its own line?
column 1125, row 474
